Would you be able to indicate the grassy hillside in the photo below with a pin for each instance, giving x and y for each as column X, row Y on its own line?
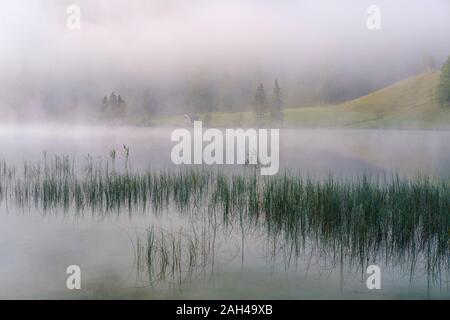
column 406, row 104
column 409, row 103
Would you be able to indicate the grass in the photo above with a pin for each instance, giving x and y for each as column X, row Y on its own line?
column 172, row 258
column 404, row 222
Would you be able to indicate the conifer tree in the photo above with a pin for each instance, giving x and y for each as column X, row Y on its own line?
column 105, row 103
column 113, row 99
column 276, row 110
column 260, row 104
column 443, row 90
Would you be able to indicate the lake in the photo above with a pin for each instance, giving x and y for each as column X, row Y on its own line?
column 189, row 250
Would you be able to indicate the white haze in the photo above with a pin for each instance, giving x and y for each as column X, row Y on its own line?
column 131, row 46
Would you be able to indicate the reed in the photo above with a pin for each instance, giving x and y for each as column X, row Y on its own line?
column 402, row 221
column 170, row 258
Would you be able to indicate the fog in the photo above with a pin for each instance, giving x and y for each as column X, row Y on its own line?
column 87, row 175
column 155, row 52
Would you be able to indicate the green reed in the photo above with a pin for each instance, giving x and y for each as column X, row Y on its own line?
column 402, row 221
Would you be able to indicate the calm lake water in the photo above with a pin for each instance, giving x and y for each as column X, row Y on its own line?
column 235, row 261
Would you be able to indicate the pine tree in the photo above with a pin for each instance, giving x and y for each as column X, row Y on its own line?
column 443, row 90
column 105, row 103
column 121, row 107
column 260, row 104
column 113, row 99
column 276, row 110
column 120, row 102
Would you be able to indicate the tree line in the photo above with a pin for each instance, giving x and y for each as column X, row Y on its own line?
column 114, row 106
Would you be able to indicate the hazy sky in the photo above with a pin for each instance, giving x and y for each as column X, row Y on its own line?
column 137, row 41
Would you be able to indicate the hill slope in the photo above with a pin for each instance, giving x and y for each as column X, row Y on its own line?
column 409, row 103
column 407, row 97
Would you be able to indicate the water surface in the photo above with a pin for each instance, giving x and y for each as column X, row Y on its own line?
column 239, row 260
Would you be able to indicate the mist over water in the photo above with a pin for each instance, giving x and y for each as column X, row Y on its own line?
column 314, row 152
